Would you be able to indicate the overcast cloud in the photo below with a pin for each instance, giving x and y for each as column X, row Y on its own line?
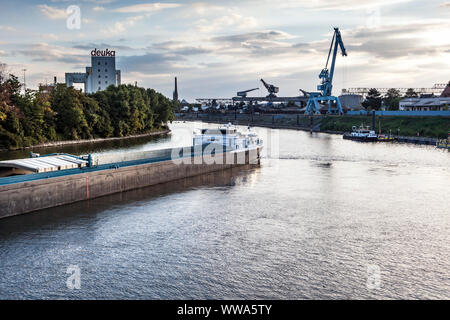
column 218, row 47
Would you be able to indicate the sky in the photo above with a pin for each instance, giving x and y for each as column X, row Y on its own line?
column 219, row 47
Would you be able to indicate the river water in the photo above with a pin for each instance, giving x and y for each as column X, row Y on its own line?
column 319, row 218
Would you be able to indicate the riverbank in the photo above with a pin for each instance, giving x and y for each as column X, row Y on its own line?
column 86, row 141
column 422, row 127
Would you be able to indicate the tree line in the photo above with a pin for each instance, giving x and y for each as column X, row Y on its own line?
column 68, row 114
column 390, row 101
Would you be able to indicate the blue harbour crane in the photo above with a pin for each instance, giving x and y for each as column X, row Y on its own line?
column 326, row 75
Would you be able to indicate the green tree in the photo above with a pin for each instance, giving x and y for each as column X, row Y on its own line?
column 392, row 99
column 410, row 93
column 70, row 120
column 67, row 113
column 373, row 100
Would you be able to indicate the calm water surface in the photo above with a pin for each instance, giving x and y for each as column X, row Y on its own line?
column 317, row 219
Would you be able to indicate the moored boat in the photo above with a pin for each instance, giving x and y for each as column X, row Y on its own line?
column 385, row 138
column 362, row 133
column 444, row 143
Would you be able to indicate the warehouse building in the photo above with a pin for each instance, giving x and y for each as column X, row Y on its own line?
column 351, row 101
column 100, row 75
column 427, row 102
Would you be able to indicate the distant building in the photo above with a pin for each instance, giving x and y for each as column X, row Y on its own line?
column 48, row 87
column 427, row 102
column 100, row 75
column 351, row 101
column 446, row 92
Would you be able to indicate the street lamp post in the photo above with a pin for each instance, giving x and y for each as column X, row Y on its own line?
column 24, row 82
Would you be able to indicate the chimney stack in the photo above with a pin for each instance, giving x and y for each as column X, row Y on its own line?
column 175, row 93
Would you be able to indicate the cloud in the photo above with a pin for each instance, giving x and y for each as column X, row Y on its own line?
column 204, row 8
column 44, row 52
column 232, row 20
column 89, row 1
column 87, row 21
column 263, row 43
column 92, row 45
column 393, row 41
column 147, row 7
column 122, row 26
column 253, row 36
column 179, row 48
column 52, row 12
column 393, row 31
column 50, row 36
column 344, row 5
column 189, row 50
column 392, row 48
column 242, row 40
column 7, row 28
column 152, row 63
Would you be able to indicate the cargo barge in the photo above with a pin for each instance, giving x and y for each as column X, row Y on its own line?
column 42, row 182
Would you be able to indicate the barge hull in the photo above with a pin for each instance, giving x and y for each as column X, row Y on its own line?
column 24, row 197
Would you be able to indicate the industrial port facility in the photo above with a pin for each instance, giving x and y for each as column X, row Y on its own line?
column 435, row 98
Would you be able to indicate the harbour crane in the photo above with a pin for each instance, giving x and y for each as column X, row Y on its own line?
column 326, row 75
column 271, row 88
column 305, row 93
column 243, row 94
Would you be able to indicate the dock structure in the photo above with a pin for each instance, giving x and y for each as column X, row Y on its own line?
column 417, row 140
column 435, row 89
column 302, row 100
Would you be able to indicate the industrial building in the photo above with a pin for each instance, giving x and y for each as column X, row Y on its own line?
column 435, row 89
column 427, row 102
column 100, row 75
column 47, row 88
column 351, row 101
